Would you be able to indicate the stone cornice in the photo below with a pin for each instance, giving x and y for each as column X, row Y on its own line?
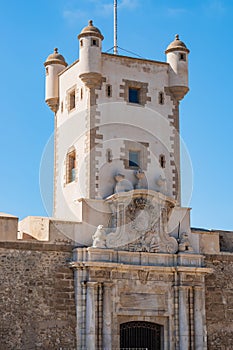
column 127, row 267
column 112, row 259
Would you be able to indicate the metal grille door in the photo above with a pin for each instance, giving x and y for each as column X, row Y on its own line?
column 140, row 334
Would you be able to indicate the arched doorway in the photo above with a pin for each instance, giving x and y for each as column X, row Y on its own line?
column 140, row 334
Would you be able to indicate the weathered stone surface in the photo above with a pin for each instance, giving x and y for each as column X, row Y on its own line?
column 226, row 241
column 8, row 227
column 219, row 302
column 36, row 297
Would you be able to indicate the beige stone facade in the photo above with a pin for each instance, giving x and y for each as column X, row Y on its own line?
column 118, row 265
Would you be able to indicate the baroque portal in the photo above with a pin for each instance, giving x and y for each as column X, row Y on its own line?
column 138, row 278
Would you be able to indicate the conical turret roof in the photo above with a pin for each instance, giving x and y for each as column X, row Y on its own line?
column 177, row 45
column 55, row 58
column 91, row 30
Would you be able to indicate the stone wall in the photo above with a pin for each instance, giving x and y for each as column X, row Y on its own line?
column 219, row 301
column 36, row 297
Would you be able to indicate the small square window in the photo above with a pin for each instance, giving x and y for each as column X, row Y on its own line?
column 134, row 158
column 94, row 42
column 134, row 95
column 182, row 57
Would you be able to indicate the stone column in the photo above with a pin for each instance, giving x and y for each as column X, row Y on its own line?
column 176, row 312
column 91, row 316
column 99, row 318
column 107, row 317
column 78, row 302
column 199, row 318
column 191, row 319
column 184, row 331
column 83, row 316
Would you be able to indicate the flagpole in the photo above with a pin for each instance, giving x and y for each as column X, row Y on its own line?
column 115, row 48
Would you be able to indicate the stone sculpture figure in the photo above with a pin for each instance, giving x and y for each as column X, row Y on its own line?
column 122, row 185
column 184, row 243
column 99, row 238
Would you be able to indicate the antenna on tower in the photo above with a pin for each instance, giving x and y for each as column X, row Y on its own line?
column 115, row 47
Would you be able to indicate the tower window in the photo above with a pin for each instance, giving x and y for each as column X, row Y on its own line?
column 135, row 92
column 47, row 70
column 109, row 155
column 134, row 157
column 81, row 94
column 109, row 90
column 81, row 43
column 62, row 106
column 182, row 57
column 72, row 100
column 94, row 42
column 134, row 95
column 161, row 98
column 162, row 161
column 71, row 167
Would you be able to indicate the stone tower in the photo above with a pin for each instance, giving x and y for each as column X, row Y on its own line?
column 114, row 114
column 117, row 182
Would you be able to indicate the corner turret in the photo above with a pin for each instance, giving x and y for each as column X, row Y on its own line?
column 54, row 64
column 177, row 57
column 90, row 44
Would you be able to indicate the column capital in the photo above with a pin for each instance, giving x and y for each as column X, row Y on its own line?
column 91, row 284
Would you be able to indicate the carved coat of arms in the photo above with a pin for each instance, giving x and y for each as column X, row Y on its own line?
column 139, row 222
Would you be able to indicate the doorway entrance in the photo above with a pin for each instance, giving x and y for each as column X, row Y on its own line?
column 140, row 335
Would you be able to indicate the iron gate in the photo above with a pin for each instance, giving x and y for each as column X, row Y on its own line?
column 140, row 334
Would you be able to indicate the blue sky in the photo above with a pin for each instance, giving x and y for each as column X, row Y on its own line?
column 31, row 29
